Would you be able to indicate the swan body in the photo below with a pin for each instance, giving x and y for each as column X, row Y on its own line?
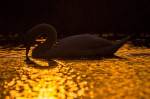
column 84, row 45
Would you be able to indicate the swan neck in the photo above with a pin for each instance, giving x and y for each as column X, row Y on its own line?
column 49, row 42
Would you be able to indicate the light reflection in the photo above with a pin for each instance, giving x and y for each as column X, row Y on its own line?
column 47, row 94
column 108, row 77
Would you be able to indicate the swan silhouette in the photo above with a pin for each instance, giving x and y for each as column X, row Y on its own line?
column 84, row 45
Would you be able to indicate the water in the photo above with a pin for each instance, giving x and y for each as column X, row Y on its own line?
column 127, row 77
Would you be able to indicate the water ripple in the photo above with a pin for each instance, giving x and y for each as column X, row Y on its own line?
column 107, row 78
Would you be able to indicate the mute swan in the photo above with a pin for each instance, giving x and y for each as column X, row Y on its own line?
column 84, row 45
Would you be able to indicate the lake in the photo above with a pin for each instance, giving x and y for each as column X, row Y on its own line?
column 127, row 77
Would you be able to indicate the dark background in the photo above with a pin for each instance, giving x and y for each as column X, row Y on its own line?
column 71, row 17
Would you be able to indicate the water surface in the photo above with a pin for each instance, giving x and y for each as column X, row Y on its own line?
column 127, row 77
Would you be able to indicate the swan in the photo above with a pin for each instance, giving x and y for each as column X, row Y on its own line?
column 84, row 45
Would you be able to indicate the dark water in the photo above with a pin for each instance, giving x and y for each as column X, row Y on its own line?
column 127, row 77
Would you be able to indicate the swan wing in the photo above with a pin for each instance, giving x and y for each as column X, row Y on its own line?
column 85, row 41
column 78, row 45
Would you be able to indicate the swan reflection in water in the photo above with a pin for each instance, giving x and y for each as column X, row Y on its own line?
column 51, row 64
column 84, row 45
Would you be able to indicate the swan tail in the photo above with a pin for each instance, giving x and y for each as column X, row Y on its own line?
column 120, row 43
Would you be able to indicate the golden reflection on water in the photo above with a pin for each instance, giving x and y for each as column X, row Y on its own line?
column 107, row 78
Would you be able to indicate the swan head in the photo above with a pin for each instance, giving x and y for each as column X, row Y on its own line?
column 31, row 36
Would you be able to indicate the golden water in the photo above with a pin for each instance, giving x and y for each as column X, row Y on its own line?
column 127, row 77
